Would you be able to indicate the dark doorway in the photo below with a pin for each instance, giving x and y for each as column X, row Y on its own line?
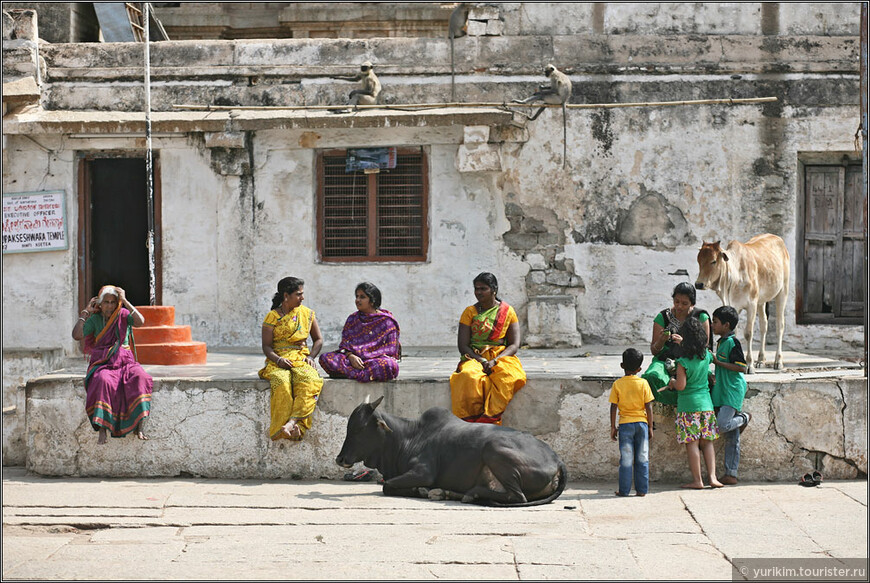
column 114, row 229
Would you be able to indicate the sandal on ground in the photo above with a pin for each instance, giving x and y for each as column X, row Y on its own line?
column 808, row 481
column 817, row 477
column 363, row 475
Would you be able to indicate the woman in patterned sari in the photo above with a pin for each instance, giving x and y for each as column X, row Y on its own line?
column 118, row 388
column 488, row 374
column 289, row 364
column 369, row 349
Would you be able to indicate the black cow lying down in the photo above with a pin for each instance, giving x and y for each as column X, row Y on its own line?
column 440, row 456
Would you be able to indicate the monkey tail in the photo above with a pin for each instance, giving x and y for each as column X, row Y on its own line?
column 564, row 135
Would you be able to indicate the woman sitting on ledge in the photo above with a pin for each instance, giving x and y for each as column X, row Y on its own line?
column 118, row 388
column 369, row 349
column 666, row 341
column 289, row 365
column 489, row 373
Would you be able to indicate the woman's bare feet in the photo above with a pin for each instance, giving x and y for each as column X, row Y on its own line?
column 102, row 438
column 714, row 483
column 693, row 486
column 288, row 431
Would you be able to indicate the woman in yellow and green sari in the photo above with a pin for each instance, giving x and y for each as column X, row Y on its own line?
column 488, row 374
column 289, row 363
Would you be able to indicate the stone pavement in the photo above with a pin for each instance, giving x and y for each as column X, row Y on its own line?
column 280, row 529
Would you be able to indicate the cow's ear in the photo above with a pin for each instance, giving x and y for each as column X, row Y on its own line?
column 376, row 403
column 724, row 256
column 383, row 425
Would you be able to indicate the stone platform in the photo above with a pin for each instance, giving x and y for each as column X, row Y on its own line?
column 211, row 420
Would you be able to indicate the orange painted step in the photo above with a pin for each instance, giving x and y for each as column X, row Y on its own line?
column 158, row 315
column 171, row 353
column 158, row 334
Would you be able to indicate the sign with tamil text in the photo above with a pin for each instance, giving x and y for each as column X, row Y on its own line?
column 34, row 221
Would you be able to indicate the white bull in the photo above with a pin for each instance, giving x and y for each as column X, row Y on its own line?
column 746, row 276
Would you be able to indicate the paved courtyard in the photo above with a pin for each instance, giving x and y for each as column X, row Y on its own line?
column 61, row 528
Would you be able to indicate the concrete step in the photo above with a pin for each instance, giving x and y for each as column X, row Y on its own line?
column 171, row 353
column 158, row 315
column 161, row 334
column 214, row 425
column 160, row 341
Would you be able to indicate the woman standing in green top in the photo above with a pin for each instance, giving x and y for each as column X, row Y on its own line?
column 696, row 421
column 666, row 339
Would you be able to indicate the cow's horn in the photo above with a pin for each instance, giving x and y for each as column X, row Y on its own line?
column 368, row 398
column 377, row 402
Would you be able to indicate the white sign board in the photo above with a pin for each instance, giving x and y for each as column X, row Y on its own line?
column 34, row 221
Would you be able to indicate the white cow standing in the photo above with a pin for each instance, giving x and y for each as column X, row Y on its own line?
column 746, row 276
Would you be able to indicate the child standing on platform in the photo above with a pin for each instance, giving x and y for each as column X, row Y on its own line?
column 632, row 396
column 730, row 388
column 696, row 421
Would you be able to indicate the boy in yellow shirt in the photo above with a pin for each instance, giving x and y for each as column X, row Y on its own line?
column 632, row 396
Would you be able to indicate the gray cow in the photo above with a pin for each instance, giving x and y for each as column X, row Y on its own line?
column 441, row 456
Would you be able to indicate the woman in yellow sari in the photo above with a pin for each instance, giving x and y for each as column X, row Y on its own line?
column 289, row 363
column 488, row 374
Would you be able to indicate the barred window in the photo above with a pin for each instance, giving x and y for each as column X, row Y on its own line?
column 372, row 216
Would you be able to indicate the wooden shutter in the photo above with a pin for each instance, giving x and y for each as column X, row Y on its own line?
column 400, row 197
column 373, row 217
column 852, row 259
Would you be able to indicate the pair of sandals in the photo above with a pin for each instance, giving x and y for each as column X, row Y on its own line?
column 811, row 480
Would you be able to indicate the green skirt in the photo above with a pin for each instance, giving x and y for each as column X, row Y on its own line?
column 657, row 377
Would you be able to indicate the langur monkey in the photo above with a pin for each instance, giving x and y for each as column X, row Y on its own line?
column 369, row 88
column 458, row 27
column 557, row 92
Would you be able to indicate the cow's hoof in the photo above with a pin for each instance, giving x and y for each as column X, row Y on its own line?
column 467, row 499
column 437, row 494
column 423, row 492
column 779, row 365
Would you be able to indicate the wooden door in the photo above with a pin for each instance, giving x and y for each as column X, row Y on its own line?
column 833, row 267
column 113, row 242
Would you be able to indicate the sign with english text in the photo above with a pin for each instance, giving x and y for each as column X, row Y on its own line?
column 34, row 221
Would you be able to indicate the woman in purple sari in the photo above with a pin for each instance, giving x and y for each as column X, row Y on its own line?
column 369, row 349
column 118, row 388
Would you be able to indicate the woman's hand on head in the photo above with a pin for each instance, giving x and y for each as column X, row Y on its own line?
column 94, row 305
column 677, row 338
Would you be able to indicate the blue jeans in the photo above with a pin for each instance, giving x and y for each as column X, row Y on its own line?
column 730, row 421
column 633, row 457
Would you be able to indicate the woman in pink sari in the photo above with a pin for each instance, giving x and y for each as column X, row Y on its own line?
column 369, row 349
column 118, row 388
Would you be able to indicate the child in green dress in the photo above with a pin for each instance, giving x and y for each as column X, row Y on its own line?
column 696, row 421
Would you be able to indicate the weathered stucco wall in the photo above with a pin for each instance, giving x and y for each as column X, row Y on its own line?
column 641, row 189
column 218, row 429
column 19, row 366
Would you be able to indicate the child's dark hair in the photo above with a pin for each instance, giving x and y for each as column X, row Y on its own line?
column 632, row 358
column 727, row 315
column 694, row 335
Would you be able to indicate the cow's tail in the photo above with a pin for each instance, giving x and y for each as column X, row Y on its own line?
column 560, row 487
